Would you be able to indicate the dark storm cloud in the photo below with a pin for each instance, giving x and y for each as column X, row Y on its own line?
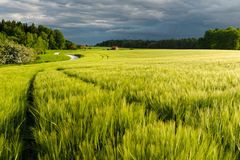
column 96, row 20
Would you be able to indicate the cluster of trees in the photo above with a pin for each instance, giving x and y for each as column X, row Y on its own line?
column 221, row 39
column 38, row 37
column 213, row 39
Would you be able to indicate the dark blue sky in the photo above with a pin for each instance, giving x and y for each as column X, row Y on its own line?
column 92, row 21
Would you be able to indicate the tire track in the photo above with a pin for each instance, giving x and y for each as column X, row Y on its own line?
column 29, row 151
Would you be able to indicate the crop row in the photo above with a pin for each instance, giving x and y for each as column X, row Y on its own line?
column 206, row 98
column 82, row 120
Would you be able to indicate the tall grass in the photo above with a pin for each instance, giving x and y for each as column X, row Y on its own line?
column 138, row 104
column 203, row 95
column 165, row 141
column 83, row 121
column 79, row 120
column 13, row 97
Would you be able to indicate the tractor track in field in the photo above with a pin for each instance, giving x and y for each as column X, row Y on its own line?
column 87, row 81
column 129, row 100
column 103, row 87
column 29, row 145
column 165, row 113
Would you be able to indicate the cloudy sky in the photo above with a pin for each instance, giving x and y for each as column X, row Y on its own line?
column 92, row 21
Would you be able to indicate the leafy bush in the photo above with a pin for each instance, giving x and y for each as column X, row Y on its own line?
column 12, row 53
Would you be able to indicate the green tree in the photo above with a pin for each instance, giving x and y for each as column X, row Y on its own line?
column 29, row 40
column 59, row 39
column 40, row 45
column 52, row 42
column 221, row 39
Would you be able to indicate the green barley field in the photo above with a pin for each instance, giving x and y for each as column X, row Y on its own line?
column 124, row 104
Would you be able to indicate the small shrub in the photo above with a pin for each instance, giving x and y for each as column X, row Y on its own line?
column 12, row 53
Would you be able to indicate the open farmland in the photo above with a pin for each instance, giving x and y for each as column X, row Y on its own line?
column 125, row 104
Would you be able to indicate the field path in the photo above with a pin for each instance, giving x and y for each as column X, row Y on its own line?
column 73, row 57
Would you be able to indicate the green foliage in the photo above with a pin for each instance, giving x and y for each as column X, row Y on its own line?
column 40, row 46
column 30, row 39
column 3, row 37
column 52, row 42
column 221, row 39
column 59, row 38
column 39, row 37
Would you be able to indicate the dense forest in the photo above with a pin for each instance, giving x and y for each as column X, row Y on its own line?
column 213, row 39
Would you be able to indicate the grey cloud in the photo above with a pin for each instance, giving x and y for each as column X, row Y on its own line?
column 95, row 20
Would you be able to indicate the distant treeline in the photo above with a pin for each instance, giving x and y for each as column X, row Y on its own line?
column 164, row 44
column 38, row 37
column 213, row 39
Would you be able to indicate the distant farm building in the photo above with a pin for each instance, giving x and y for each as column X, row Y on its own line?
column 83, row 46
column 114, row 48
